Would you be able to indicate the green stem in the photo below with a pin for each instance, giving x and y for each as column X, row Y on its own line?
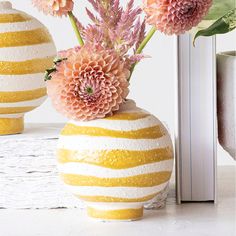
column 146, row 40
column 142, row 46
column 74, row 25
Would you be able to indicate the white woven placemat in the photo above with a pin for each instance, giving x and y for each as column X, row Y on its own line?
column 28, row 173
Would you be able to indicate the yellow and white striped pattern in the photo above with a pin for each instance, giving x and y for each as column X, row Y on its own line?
column 116, row 163
column 26, row 50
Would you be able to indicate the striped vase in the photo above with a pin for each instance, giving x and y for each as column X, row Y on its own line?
column 116, row 164
column 26, row 50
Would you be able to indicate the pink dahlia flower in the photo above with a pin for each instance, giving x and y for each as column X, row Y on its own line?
column 54, row 7
column 175, row 16
column 90, row 84
column 69, row 52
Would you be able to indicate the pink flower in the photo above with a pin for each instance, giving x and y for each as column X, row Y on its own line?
column 68, row 53
column 54, row 7
column 175, row 16
column 90, row 84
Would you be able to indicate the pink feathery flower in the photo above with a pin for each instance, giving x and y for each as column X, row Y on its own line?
column 54, row 7
column 114, row 26
column 90, row 84
column 175, row 16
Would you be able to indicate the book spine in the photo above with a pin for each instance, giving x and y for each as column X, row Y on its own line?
column 196, row 136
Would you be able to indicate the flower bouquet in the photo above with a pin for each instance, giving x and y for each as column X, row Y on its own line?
column 113, row 154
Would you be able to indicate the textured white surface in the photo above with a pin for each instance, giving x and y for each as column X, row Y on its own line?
column 30, row 52
column 31, row 103
column 127, row 125
column 19, row 26
column 28, row 174
column 195, row 219
column 21, row 82
column 120, row 192
column 12, row 115
column 85, row 143
column 98, row 171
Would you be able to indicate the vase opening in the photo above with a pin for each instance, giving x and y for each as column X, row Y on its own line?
column 229, row 53
column 5, row 5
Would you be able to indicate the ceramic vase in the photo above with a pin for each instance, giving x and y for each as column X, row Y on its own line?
column 26, row 50
column 226, row 86
column 116, row 164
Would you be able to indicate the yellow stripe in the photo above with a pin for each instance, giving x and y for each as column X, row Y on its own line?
column 11, row 125
column 14, row 110
column 24, row 38
column 116, row 199
column 115, row 159
column 25, row 67
column 144, row 180
column 20, row 96
column 121, row 214
column 146, row 133
column 11, row 18
column 128, row 116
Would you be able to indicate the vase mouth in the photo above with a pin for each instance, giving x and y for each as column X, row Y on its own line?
column 228, row 54
column 5, row 5
column 129, row 104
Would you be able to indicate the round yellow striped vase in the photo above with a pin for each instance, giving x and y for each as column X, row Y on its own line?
column 26, row 50
column 116, row 164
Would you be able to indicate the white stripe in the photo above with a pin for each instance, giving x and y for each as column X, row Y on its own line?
column 102, row 172
column 13, row 83
column 120, row 125
column 31, row 103
column 25, row 53
column 134, row 110
column 115, row 205
column 20, row 26
column 19, row 115
column 79, row 143
column 7, row 10
column 120, row 192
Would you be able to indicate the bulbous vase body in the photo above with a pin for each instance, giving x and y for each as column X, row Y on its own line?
column 116, row 164
column 26, row 51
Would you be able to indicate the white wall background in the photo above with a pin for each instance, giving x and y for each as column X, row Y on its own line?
column 152, row 85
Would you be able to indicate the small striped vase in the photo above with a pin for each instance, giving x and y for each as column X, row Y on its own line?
column 26, row 50
column 116, row 164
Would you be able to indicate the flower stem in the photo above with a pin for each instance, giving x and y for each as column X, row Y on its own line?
column 74, row 25
column 146, row 40
column 142, row 46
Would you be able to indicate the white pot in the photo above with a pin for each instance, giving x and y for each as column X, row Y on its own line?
column 226, row 85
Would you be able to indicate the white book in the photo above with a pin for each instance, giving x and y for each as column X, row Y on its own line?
column 196, row 130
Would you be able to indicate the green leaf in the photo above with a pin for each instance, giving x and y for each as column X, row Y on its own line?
column 220, row 8
column 48, row 73
column 57, row 60
column 223, row 25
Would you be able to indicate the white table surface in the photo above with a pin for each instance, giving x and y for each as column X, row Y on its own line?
column 36, row 130
column 190, row 219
